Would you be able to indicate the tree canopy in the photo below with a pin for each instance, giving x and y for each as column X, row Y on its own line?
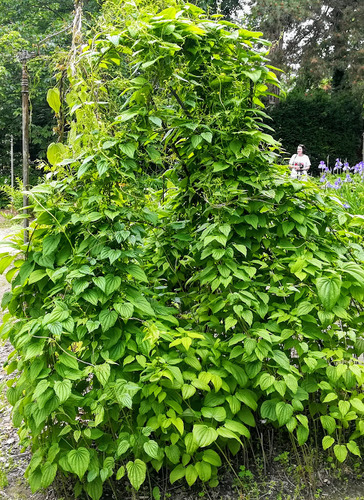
column 23, row 26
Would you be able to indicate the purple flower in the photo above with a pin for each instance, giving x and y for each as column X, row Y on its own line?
column 322, row 165
column 329, row 185
column 358, row 168
column 338, row 164
column 346, row 166
column 323, row 178
column 346, row 205
column 348, row 178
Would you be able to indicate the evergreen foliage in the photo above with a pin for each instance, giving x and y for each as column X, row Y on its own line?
column 177, row 288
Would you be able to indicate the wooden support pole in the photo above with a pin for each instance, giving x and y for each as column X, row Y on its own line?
column 25, row 134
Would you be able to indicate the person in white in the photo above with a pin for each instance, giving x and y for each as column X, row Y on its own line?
column 299, row 163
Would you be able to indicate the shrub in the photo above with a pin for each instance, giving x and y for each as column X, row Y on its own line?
column 329, row 124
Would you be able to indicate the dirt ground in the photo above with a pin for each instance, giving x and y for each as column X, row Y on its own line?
column 13, row 460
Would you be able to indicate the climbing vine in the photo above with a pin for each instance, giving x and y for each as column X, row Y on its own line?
column 177, row 288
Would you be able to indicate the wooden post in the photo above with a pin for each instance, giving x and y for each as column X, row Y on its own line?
column 12, row 161
column 25, row 133
column 23, row 57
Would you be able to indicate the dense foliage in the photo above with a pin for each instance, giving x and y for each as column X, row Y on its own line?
column 178, row 289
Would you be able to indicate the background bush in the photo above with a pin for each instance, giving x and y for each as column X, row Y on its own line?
column 327, row 123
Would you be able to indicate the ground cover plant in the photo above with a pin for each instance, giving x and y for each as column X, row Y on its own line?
column 347, row 182
column 177, row 288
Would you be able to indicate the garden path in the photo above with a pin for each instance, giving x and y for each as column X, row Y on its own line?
column 13, row 461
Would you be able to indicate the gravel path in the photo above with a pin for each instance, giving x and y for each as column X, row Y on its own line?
column 13, row 461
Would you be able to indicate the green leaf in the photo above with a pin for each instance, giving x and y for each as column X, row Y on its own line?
column 327, row 441
column 173, row 453
column 91, row 296
column 220, row 166
column 112, row 283
column 191, row 475
column 151, row 448
column 247, row 316
column 68, row 359
column 328, row 289
column 125, row 310
column 177, row 473
column 330, row 397
column 328, row 423
column 49, row 471
column 344, row 407
column 291, row 383
column 137, row 471
column 154, row 119
column 107, row 319
column 203, row 470
column 237, row 427
column 128, row 148
column 235, row 146
column 268, row 409
column 50, row 243
column 211, row 457
column 37, row 276
column 195, row 141
column 41, row 387
column 265, row 381
column 354, row 270
column 282, row 359
column 100, row 282
column 79, row 460
column 123, row 447
column 247, row 397
column 302, row 434
column 35, row 480
column 55, row 152
column 287, row 227
column 142, row 304
column 227, row 433
column 204, row 435
column 120, row 473
column 54, row 99
column 150, row 63
column 92, row 325
column 126, row 116
column 241, row 248
column 188, row 391
column 353, row 448
column 63, row 390
column 102, row 373
column 55, row 328
column 94, row 489
column 217, row 413
column 341, row 452
column 252, row 220
column 207, row 136
column 137, row 272
column 357, row 404
column 253, row 75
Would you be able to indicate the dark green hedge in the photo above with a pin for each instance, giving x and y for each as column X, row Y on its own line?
column 328, row 124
